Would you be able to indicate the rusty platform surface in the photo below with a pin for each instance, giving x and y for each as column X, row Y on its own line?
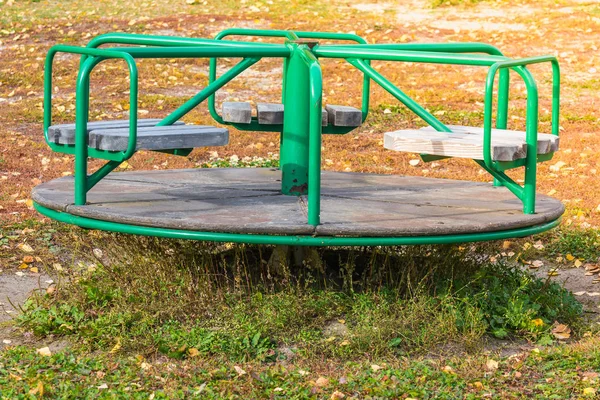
column 249, row 201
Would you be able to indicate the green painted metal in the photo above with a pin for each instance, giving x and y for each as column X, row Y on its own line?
column 290, row 35
column 301, row 131
column 293, row 160
column 293, row 240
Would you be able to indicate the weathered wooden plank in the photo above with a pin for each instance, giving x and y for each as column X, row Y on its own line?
column 269, row 113
column 65, row 133
column 547, row 143
column 237, row 112
column 344, row 115
column 324, row 117
column 461, row 145
column 247, row 200
column 160, row 137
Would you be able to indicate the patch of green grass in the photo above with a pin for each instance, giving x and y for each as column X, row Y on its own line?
column 583, row 244
column 237, row 303
column 561, row 372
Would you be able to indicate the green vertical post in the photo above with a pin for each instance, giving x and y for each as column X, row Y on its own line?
column 295, row 135
column 81, row 137
column 502, row 116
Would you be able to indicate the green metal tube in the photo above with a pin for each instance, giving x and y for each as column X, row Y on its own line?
column 170, row 41
column 314, row 156
column 293, row 240
column 204, row 51
column 256, row 32
column 399, row 94
column 82, row 108
column 296, row 126
column 364, row 52
column 208, row 91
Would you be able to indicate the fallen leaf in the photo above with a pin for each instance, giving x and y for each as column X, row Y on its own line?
column 239, row 370
column 44, row 351
column 491, row 365
column 578, row 263
column 569, row 257
column 536, row 264
column 35, row 270
column 478, row 385
column 103, row 386
column 375, row 367
column 38, row 389
column 116, row 347
column 24, row 247
column 28, row 259
column 193, row 352
column 321, row 382
column 561, row 332
column 448, row 369
column 337, row 395
column 589, row 391
column 537, row 322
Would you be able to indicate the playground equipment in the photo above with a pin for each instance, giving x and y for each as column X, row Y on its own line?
column 298, row 204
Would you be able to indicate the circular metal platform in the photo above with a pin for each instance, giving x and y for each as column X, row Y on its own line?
column 245, row 205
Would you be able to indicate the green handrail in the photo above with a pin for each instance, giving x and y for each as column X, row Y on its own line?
column 290, row 35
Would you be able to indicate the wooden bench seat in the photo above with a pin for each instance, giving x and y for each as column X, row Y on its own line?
column 272, row 114
column 467, row 142
column 160, row 137
column 65, row 133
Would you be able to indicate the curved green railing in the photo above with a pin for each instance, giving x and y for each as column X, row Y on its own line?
column 300, row 160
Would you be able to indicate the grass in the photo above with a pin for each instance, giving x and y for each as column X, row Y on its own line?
column 171, row 319
column 242, row 303
column 562, row 372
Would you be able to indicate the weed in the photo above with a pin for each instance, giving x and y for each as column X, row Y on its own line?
column 584, row 244
column 236, row 302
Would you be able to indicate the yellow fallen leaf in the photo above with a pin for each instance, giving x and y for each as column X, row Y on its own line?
column 193, row 352
column 491, row 365
column 578, row 263
column 337, row 395
column 23, row 266
column 448, row 369
column 24, row 247
column 569, row 257
column 537, row 322
column 116, row 347
column 38, row 389
column 35, row 270
column 506, row 245
column 478, row 385
column 589, row 391
column 44, row 351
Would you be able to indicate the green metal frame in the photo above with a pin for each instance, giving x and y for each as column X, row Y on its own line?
column 293, row 240
column 301, row 132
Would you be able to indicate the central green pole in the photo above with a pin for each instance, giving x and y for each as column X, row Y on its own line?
column 295, row 134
